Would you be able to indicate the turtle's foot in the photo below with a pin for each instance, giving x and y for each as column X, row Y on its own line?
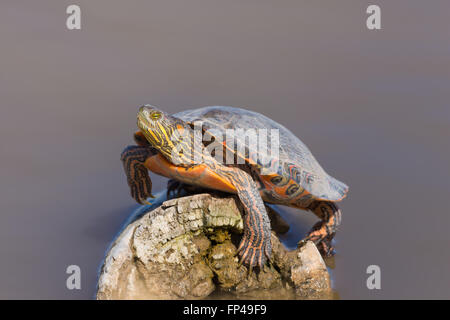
column 140, row 188
column 322, row 233
column 252, row 255
column 323, row 245
column 133, row 158
column 326, row 249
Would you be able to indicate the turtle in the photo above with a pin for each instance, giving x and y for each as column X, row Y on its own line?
column 191, row 147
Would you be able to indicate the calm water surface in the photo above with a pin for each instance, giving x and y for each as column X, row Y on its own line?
column 372, row 106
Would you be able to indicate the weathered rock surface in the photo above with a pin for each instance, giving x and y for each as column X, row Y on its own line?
column 186, row 249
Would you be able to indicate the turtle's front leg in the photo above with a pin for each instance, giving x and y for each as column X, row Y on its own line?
column 133, row 159
column 255, row 247
column 323, row 231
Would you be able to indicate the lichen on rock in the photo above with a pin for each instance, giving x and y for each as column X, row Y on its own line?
column 186, row 249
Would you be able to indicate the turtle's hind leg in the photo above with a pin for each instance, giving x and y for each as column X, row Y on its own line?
column 323, row 231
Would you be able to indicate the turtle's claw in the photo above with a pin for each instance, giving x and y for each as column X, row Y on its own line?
column 147, row 202
column 326, row 249
column 323, row 245
column 139, row 192
column 252, row 256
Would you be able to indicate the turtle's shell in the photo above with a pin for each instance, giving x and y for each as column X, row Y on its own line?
column 295, row 161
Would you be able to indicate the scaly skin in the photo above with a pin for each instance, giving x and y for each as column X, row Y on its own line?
column 323, row 231
column 255, row 247
column 133, row 160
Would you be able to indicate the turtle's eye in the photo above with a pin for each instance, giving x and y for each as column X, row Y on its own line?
column 155, row 115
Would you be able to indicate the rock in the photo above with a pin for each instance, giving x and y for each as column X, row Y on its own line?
column 186, row 249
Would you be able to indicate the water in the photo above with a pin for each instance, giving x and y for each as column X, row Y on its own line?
column 372, row 106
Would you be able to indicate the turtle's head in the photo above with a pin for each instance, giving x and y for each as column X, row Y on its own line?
column 165, row 133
